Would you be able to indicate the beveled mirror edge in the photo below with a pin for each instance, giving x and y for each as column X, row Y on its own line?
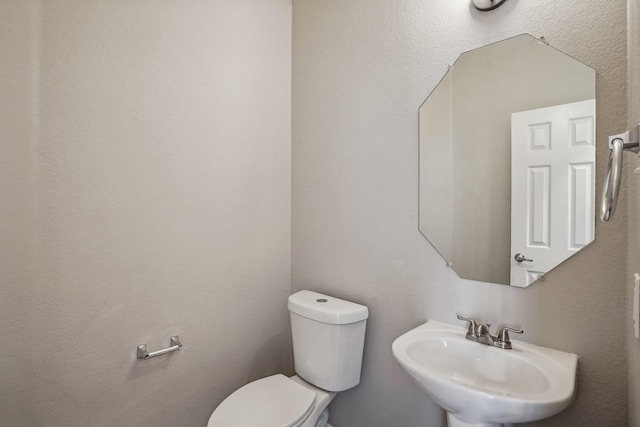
column 420, row 166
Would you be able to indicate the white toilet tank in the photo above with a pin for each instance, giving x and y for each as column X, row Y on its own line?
column 328, row 339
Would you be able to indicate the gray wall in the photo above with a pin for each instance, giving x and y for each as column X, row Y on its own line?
column 18, row 35
column 145, row 193
column 146, row 145
column 360, row 71
column 633, row 162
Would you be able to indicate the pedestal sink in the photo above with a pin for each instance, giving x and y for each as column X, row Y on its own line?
column 484, row 386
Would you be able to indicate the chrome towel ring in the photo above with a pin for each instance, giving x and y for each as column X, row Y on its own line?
column 617, row 144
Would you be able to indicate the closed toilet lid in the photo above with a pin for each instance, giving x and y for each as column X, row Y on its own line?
column 274, row 401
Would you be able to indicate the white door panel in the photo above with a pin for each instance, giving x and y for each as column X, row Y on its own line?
column 552, row 181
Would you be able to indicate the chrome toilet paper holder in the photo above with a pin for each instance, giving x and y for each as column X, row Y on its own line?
column 174, row 344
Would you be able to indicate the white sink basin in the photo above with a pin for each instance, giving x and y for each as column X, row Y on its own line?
column 484, row 385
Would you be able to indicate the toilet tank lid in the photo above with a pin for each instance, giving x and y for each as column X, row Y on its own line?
column 326, row 309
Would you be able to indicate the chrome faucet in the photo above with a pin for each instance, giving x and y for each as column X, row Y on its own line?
column 479, row 332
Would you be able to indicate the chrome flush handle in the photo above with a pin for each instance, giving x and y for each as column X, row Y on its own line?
column 520, row 257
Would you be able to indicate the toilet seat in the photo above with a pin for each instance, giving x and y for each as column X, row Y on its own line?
column 274, row 401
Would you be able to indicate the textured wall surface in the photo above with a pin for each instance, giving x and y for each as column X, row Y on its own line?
column 162, row 171
column 361, row 69
column 145, row 193
column 633, row 344
column 18, row 34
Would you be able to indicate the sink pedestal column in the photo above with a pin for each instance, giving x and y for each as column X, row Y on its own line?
column 452, row 421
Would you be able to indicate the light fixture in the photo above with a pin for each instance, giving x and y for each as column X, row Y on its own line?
column 487, row 5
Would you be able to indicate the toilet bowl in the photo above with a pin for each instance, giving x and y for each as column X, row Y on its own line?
column 275, row 401
column 328, row 342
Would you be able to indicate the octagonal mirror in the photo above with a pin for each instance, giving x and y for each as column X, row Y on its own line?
column 507, row 161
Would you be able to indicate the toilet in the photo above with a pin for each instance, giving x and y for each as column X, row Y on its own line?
column 328, row 340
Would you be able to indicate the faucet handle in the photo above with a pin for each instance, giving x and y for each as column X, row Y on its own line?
column 503, row 340
column 471, row 327
column 483, row 329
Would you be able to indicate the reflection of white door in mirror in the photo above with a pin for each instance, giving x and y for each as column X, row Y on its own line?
column 552, row 187
column 465, row 157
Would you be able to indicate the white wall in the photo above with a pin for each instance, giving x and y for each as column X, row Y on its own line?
column 633, row 344
column 361, row 69
column 162, row 196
